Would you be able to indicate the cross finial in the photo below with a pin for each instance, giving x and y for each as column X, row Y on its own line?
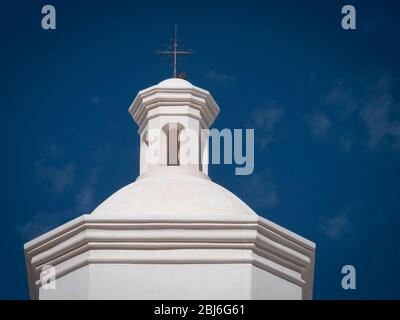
column 174, row 51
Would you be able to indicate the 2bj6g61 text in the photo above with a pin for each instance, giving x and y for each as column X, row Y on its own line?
column 202, row 309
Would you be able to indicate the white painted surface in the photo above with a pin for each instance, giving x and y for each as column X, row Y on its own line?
column 282, row 259
column 267, row 286
column 174, row 193
column 173, row 233
column 172, row 102
column 175, row 83
column 172, row 281
column 72, row 286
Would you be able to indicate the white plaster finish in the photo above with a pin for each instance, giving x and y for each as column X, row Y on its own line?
column 173, row 233
column 285, row 258
column 173, row 101
column 173, row 192
column 173, row 281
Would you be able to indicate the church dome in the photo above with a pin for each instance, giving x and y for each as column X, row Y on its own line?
column 175, row 83
column 174, row 193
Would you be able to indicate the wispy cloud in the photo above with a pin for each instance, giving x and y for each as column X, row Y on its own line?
column 336, row 227
column 54, row 151
column 85, row 198
column 384, row 131
column 57, row 178
column 260, row 189
column 346, row 142
column 265, row 120
column 341, row 98
column 60, row 177
column 85, row 201
column 319, row 124
column 375, row 105
column 339, row 105
column 220, row 79
column 40, row 223
column 342, row 224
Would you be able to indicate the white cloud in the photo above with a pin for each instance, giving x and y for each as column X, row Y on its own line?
column 342, row 105
column 54, row 151
column 40, row 223
column 58, row 178
column 86, row 197
column 378, row 110
column 383, row 131
column 220, row 79
column 319, row 124
column 260, row 189
column 336, row 227
column 342, row 225
column 346, row 143
column 341, row 98
column 265, row 120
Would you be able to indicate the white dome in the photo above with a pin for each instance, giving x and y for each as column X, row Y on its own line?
column 172, row 193
column 175, row 83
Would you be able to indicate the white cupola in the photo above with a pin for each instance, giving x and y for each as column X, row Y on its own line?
column 163, row 112
column 173, row 233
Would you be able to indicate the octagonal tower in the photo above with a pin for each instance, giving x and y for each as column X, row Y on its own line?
column 173, row 233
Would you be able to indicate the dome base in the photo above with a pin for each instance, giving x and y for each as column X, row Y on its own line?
column 96, row 259
column 174, row 193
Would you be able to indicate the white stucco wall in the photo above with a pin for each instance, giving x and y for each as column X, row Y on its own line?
column 72, row 286
column 173, row 233
column 171, row 281
column 266, row 286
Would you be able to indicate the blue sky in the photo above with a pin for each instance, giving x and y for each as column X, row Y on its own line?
column 324, row 103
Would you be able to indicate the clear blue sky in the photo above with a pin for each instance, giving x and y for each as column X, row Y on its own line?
column 324, row 103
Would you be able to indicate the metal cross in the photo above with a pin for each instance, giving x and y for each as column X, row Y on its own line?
column 174, row 51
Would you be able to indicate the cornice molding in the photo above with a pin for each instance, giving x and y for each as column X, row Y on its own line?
column 87, row 240
column 155, row 96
